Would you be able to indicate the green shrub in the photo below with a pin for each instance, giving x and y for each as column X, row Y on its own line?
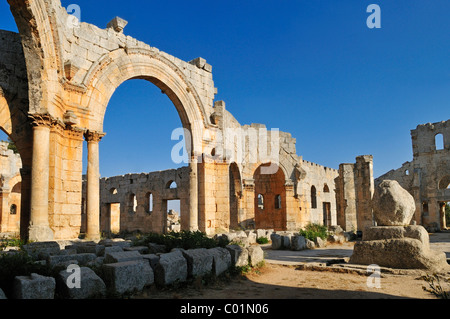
column 262, row 240
column 312, row 231
column 19, row 264
column 183, row 239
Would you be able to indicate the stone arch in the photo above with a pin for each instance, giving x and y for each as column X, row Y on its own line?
column 444, row 183
column 235, row 186
column 122, row 65
column 270, row 186
column 38, row 29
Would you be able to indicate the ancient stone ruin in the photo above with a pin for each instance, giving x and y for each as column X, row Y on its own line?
column 394, row 243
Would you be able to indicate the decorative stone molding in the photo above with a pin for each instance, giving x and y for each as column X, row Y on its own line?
column 91, row 136
column 45, row 120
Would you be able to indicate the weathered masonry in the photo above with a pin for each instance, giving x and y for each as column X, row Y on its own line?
column 427, row 177
column 56, row 79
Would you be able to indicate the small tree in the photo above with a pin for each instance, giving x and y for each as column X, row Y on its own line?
column 12, row 146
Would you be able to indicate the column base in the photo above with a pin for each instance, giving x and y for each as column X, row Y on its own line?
column 93, row 237
column 40, row 233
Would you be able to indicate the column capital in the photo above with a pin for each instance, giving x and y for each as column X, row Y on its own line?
column 92, row 136
column 43, row 120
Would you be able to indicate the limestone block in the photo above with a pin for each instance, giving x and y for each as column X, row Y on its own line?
column 115, row 242
column 156, row 249
column 221, row 260
column 98, row 250
column 172, row 267
column 319, row 242
column 90, row 284
column 42, row 250
column 128, row 276
column 81, row 259
column 34, row 287
column 260, row 233
column 117, row 24
column 255, row 255
column 404, row 253
column 199, row 261
column 122, row 256
column 112, row 249
column 277, row 242
column 310, row 244
column 239, row 255
column 298, row 243
column 251, row 238
column 140, row 249
column 392, row 205
column 153, row 259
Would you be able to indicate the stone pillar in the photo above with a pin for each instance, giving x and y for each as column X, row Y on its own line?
column 193, row 194
column 39, row 228
column 93, row 186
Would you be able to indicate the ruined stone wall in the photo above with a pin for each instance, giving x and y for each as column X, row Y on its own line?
column 137, row 211
column 427, row 176
column 354, row 191
column 10, row 184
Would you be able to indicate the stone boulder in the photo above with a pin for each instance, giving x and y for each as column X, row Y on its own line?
column 34, row 287
column 121, row 256
column 400, row 248
column 42, row 250
column 255, row 255
column 128, row 276
column 172, row 268
column 298, row 243
column 392, row 205
column 239, row 255
column 199, row 261
column 90, row 284
column 221, row 260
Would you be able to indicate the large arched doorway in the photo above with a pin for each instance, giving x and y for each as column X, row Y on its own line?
column 270, row 200
column 123, row 66
column 235, row 196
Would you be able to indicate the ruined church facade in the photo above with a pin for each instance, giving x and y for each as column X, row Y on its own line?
column 427, row 176
column 57, row 76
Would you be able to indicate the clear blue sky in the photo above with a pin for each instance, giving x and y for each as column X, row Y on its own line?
column 311, row 68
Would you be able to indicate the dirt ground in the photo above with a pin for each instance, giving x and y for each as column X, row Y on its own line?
column 287, row 282
column 282, row 278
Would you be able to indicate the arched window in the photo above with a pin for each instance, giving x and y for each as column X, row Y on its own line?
column 407, row 172
column 133, row 203
column 439, row 142
column 13, row 209
column 278, row 202
column 313, row 197
column 261, row 201
column 444, row 182
column 150, row 203
column 172, row 185
column 113, row 191
column 326, row 189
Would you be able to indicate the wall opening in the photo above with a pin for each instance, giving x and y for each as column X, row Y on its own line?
column 439, row 139
column 313, row 197
column 173, row 217
column 235, row 194
column 268, row 189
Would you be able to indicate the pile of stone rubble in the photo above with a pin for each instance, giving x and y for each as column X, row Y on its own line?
column 125, row 269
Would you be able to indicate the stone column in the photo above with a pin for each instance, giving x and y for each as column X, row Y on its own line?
column 193, row 194
column 93, row 186
column 39, row 228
